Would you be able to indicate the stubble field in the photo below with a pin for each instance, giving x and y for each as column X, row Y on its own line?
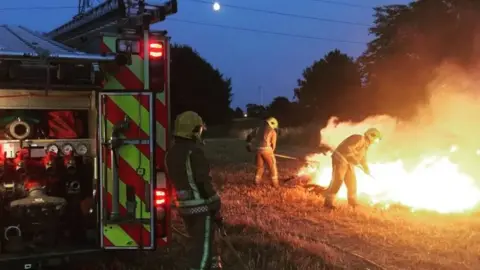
column 287, row 228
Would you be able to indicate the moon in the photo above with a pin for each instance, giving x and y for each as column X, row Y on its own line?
column 216, row 6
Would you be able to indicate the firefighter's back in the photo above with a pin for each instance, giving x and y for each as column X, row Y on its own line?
column 263, row 137
column 352, row 148
column 177, row 157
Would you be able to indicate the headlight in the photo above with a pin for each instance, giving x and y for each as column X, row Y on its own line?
column 82, row 149
column 67, row 148
column 52, row 148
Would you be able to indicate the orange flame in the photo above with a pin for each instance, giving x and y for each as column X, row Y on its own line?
column 427, row 163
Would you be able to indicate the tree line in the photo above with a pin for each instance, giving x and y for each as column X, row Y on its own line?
column 390, row 77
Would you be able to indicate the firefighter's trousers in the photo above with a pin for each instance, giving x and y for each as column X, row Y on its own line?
column 202, row 249
column 266, row 157
column 342, row 171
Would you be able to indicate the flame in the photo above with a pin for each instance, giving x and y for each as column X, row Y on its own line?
column 429, row 162
column 434, row 184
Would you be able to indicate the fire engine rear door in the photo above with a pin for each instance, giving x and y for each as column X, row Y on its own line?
column 126, row 163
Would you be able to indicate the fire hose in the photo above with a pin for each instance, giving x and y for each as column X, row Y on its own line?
column 316, row 162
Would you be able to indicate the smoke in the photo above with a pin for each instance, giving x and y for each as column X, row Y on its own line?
column 450, row 117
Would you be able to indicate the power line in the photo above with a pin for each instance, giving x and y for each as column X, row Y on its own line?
column 209, row 24
column 291, row 15
column 266, row 31
column 346, row 4
column 36, row 8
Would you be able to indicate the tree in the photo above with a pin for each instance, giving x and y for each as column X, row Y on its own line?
column 330, row 86
column 238, row 113
column 196, row 85
column 280, row 108
column 411, row 41
column 255, row 110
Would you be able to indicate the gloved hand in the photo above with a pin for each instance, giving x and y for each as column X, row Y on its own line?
column 367, row 170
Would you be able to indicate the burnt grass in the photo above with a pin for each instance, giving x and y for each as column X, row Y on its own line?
column 287, row 228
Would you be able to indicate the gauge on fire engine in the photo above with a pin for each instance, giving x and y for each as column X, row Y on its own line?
column 52, row 148
column 67, row 149
column 82, row 149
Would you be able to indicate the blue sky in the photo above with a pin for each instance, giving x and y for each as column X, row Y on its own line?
column 253, row 60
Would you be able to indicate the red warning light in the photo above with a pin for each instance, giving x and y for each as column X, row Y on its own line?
column 156, row 50
column 160, row 197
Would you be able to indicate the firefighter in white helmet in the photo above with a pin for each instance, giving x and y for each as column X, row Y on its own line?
column 263, row 141
column 197, row 201
column 350, row 153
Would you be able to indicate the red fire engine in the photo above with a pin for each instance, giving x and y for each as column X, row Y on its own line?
column 84, row 124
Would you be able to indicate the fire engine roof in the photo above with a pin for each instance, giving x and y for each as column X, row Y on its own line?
column 17, row 42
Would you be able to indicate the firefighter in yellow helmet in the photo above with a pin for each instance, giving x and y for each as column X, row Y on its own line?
column 197, row 201
column 350, row 153
column 263, row 141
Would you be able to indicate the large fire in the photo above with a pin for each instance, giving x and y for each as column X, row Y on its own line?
column 428, row 163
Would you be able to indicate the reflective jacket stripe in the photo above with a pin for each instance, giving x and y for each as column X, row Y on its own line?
column 198, row 202
column 191, row 180
column 194, row 210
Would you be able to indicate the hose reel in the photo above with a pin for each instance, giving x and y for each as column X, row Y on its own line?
column 18, row 129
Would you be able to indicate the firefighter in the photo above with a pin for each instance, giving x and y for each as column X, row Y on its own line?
column 197, row 201
column 350, row 153
column 265, row 140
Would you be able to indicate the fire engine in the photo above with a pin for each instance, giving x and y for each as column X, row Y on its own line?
column 84, row 124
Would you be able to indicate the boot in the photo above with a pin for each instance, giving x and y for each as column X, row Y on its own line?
column 352, row 202
column 328, row 204
column 258, row 180
column 275, row 183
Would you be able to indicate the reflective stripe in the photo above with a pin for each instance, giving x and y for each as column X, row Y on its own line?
column 191, row 180
column 338, row 156
column 137, row 113
column 136, row 159
column 206, row 244
column 118, row 236
column 198, row 202
column 194, row 210
column 216, row 263
column 128, row 153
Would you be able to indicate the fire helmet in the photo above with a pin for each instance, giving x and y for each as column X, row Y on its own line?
column 272, row 122
column 189, row 125
column 373, row 134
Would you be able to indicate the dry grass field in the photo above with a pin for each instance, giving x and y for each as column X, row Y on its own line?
column 287, row 228
column 292, row 223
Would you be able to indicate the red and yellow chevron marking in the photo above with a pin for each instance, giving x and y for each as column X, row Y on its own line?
column 132, row 157
column 131, row 78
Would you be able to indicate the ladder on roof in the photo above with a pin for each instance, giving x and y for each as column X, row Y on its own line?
column 84, row 5
column 111, row 13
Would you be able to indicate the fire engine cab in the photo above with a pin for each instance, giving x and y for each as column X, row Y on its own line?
column 84, row 124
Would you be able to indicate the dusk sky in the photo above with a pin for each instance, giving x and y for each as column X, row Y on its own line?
column 253, row 60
